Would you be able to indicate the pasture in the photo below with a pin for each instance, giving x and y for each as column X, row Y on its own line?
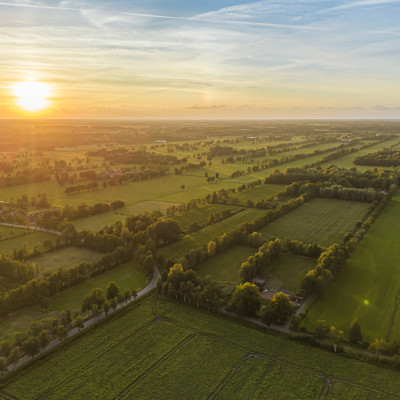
column 256, row 194
column 224, row 267
column 96, row 222
column 320, row 220
column 127, row 276
column 32, row 239
column 287, row 271
column 208, row 233
column 347, row 161
column 65, row 258
column 201, row 214
column 161, row 349
column 368, row 286
column 8, row 232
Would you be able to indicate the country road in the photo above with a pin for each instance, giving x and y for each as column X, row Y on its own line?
column 32, row 228
column 26, row 359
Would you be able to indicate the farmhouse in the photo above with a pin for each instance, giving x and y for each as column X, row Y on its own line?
column 258, row 282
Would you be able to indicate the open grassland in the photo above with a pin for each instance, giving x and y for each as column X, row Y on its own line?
column 287, row 271
column 224, row 267
column 324, row 221
column 256, row 194
column 347, row 161
column 203, row 236
column 32, row 240
column 97, row 222
column 160, row 349
column 65, row 258
column 8, row 232
column 201, row 214
column 127, row 276
column 368, row 286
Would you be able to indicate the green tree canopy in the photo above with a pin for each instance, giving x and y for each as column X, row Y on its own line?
column 246, row 299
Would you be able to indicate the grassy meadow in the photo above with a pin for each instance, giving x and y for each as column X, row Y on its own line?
column 161, row 349
column 368, row 286
column 201, row 214
column 224, row 268
column 32, row 239
column 287, row 271
column 206, row 234
column 65, row 258
column 320, row 220
column 127, row 276
column 97, row 222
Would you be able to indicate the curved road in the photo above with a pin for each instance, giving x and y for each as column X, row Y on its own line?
column 26, row 359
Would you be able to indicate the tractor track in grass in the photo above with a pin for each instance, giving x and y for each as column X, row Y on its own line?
column 154, row 366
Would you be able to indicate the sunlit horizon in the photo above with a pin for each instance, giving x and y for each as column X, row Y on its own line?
column 202, row 60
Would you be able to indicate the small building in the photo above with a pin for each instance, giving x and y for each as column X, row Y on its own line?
column 258, row 282
column 289, row 293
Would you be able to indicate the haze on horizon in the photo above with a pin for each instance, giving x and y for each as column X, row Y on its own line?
column 203, row 59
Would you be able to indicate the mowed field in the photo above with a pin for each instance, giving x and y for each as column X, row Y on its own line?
column 287, row 271
column 127, row 276
column 324, row 221
column 8, row 232
column 65, row 258
column 31, row 239
column 97, row 222
column 368, row 286
column 201, row 214
column 258, row 193
column 224, row 268
column 157, row 349
column 208, row 233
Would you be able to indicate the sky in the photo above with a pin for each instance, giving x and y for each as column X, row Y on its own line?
column 203, row 59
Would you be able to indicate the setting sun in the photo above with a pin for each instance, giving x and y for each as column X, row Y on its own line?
column 32, row 96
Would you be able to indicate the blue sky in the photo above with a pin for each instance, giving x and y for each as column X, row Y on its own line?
column 205, row 59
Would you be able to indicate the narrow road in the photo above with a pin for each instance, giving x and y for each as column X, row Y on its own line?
column 26, row 359
column 31, row 227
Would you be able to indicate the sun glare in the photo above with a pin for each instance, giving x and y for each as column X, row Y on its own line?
column 32, row 96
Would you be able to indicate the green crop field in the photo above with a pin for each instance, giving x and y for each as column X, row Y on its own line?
column 224, row 267
column 65, row 258
column 201, row 214
column 287, row 271
column 162, row 350
column 32, row 239
column 97, row 222
column 368, row 286
column 127, row 276
column 324, row 221
column 203, row 236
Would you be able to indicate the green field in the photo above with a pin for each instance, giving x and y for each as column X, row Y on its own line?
column 368, row 286
column 97, row 222
column 65, row 258
column 347, row 161
column 224, row 267
column 201, row 214
column 287, row 271
column 32, row 239
column 203, row 236
column 8, row 232
column 156, row 349
column 127, row 276
column 258, row 193
column 324, row 221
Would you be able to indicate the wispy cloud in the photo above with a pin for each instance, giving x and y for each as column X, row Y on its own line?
column 357, row 4
column 40, row 6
